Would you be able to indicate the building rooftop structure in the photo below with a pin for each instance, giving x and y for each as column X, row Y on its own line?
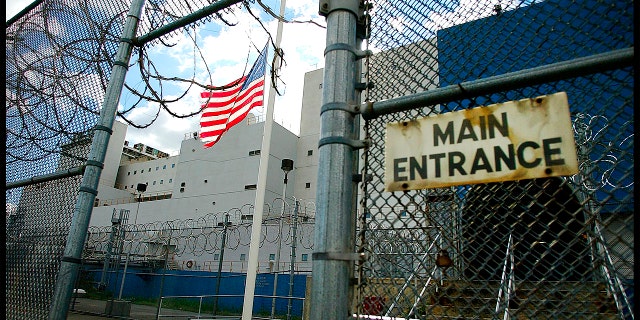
column 140, row 152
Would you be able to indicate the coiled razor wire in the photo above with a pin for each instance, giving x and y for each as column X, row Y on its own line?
column 200, row 237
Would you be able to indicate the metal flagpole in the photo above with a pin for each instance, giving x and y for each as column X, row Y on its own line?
column 254, row 246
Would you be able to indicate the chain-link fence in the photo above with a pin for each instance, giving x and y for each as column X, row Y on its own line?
column 187, row 260
column 559, row 247
column 61, row 99
column 196, row 244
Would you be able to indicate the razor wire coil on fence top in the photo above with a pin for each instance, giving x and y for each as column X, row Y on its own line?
column 529, row 249
column 192, row 237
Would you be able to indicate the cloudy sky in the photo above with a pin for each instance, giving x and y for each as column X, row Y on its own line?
column 303, row 45
column 227, row 52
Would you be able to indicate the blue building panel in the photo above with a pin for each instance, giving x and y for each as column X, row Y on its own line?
column 544, row 33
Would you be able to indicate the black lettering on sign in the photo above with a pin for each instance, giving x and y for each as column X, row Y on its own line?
column 521, row 159
column 480, row 162
column 494, row 124
column 549, row 152
column 397, row 169
column 447, row 134
column 505, row 158
column 466, row 131
column 500, row 157
column 437, row 158
column 456, row 164
column 421, row 168
column 487, row 124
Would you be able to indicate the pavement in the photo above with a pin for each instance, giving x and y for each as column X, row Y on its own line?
column 88, row 309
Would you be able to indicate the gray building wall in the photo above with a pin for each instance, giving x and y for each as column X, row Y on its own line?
column 219, row 179
column 157, row 174
column 307, row 150
column 203, row 181
column 109, row 173
column 198, row 177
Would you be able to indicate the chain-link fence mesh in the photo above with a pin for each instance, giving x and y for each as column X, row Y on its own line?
column 59, row 59
column 196, row 240
column 526, row 249
column 126, row 259
column 557, row 248
column 35, row 237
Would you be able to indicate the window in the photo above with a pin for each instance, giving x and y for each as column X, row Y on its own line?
column 205, row 181
column 216, row 256
column 310, row 152
column 134, row 171
column 182, row 184
column 181, row 189
column 307, row 185
column 403, row 213
column 254, row 152
column 243, row 257
column 161, row 181
column 247, row 217
column 154, row 182
column 164, row 167
column 131, row 186
column 320, row 86
column 129, row 173
column 173, row 165
column 125, row 187
column 305, row 257
column 250, row 187
column 149, row 170
column 157, row 168
column 272, row 256
column 170, row 180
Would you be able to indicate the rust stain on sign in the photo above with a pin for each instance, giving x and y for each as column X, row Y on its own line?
column 525, row 139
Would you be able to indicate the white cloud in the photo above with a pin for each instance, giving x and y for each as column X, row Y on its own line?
column 303, row 46
column 225, row 50
column 14, row 7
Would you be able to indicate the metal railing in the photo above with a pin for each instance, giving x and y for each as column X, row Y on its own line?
column 200, row 299
column 507, row 282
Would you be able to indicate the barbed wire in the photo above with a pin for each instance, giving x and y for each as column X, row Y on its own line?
column 197, row 237
column 59, row 57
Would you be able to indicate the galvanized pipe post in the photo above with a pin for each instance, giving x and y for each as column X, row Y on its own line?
column 292, row 265
column 224, row 240
column 334, row 242
column 164, row 272
column 70, row 261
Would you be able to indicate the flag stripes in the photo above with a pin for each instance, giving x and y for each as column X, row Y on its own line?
column 228, row 107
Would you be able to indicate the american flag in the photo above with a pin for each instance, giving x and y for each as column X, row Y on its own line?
column 226, row 108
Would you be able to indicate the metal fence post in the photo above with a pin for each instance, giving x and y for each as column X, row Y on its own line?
column 334, row 243
column 224, row 239
column 71, row 258
column 294, row 239
column 164, row 273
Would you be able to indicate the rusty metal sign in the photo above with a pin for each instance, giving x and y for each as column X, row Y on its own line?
column 525, row 139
